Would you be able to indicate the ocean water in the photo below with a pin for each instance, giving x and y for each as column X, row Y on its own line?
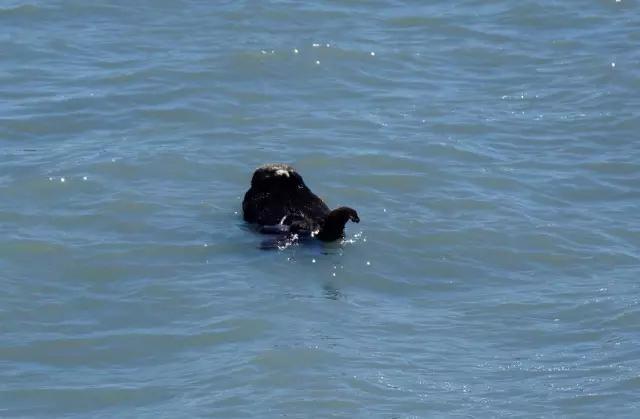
column 491, row 149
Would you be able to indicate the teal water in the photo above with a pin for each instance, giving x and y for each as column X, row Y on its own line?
column 491, row 149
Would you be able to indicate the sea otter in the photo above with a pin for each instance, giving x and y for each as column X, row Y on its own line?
column 279, row 202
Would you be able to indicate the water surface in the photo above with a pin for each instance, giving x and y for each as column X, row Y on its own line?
column 491, row 149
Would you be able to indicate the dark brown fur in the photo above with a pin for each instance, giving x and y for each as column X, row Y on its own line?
column 278, row 195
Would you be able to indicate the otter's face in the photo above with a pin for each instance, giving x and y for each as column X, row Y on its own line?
column 347, row 214
column 353, row 216
column 333, row 227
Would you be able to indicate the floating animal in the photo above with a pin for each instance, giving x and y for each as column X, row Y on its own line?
column 279, row 202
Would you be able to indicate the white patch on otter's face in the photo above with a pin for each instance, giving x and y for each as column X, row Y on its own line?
column 282, row 172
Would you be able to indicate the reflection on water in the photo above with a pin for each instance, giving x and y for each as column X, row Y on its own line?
column 331, row 292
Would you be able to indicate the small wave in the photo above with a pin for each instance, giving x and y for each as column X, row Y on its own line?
column 21, row 10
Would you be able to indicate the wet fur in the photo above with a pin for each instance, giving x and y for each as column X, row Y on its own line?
column 279, row 200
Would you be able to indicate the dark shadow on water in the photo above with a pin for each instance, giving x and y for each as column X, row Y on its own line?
column 331, row 292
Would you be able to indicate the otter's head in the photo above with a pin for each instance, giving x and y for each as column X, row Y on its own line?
column 333, row 227
column 344, row 214
column 276, row 177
